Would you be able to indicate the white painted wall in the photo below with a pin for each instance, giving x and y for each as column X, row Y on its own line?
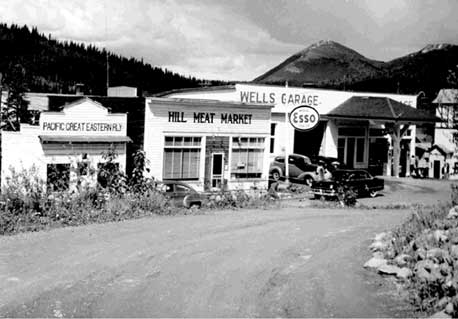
column 157, row 126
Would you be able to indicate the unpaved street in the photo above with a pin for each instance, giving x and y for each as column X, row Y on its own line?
column 292, row 262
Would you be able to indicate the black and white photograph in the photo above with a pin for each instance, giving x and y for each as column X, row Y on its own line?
column 228, row 159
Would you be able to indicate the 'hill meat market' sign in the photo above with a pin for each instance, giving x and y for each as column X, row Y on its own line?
column 210, row 118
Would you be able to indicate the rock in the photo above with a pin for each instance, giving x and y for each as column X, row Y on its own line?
column 378, row 254
column 421, row 254
column 453, row 213
column 402, row 260
column 449, row 308
column 427, row 271
column 385, row 236
column 375, row 262
column 404, row 273
column 440, row 236
column 454, row 251
column 442, row 303
column 436, row 253
column 440, row 314
column 379, row 246
column 388, row 269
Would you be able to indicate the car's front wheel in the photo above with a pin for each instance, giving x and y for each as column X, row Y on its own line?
column 373, row 194
column 276, row 175
column 308, row 180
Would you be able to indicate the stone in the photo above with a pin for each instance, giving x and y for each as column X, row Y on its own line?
column 453, row 213
column 436, row 253
column 375, row 262
column 385, row 236
column 404, row 273
column 378, row 254
column 440, row 236
column 449, row 308
column 454, row 251
column 402, row 260
column 378, row 246
column 388, row 269
column 440, row 314
column 442, row 303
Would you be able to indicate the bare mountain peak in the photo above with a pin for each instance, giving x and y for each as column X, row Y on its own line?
column 327, row 48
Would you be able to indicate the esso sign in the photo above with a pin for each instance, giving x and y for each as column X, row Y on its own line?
column 304, row 118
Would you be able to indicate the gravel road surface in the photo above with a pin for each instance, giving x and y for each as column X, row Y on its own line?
column 289, row 262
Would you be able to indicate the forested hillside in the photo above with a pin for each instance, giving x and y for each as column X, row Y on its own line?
column 56, row 67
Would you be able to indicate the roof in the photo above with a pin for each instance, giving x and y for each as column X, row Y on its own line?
column 380, row 108
column 205, row 102
column 441, row 148
column 84, row 139
column 447, row 96
column 196, row 89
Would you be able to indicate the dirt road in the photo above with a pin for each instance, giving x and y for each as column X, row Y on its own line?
column 289, row 262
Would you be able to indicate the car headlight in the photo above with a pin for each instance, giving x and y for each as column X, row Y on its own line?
column 331, row 187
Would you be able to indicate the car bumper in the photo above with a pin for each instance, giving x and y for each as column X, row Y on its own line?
column 324, row 192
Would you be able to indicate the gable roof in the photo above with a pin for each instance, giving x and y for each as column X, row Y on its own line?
column 441, row 148
column 380, row 108
column 447, row 96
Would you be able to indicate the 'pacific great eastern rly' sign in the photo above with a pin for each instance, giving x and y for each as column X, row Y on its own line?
column 210, row 118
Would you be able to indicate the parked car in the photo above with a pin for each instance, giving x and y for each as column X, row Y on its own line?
column 300, row 169
column 180, row 194
column 360, row 181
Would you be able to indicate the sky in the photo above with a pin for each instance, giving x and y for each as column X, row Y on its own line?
column 238, row 39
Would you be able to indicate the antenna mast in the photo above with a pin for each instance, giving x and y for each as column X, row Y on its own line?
column 107, row 62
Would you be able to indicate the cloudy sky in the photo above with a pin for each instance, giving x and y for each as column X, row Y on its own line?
column 238, row 39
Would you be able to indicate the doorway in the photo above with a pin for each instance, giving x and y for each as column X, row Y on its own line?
column 217, row 170
column 437, row 169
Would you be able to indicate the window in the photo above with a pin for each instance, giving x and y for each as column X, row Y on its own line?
column 360, row 150
column 58, row 176
column 272, row 137
column 182, row 157
column 247, row 157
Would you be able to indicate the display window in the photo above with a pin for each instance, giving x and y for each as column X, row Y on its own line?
column 182, row 157
column 247, row 157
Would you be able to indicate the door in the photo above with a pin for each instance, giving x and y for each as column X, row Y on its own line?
column 437, row 169
column 217, row 170
column 350, row 160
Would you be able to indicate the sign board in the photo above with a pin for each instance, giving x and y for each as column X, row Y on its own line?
column 304, row 118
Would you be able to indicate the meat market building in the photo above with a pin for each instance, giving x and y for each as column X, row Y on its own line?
column 209, row 144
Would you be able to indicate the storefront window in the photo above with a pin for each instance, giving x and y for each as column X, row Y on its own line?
column 182, row 157
column 58, row 176
column 247, row 157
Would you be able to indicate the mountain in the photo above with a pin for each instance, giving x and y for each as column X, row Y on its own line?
column 57, row 67
column 329, row 64
column 322, row 61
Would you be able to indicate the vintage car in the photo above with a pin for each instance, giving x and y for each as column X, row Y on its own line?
column 360, row 181
column 300, row 169
column 180, row 194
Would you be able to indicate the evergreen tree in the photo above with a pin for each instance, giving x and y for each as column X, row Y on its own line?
column 15, row 110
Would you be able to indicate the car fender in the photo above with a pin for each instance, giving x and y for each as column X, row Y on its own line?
column 276, row 168
column 307, row 174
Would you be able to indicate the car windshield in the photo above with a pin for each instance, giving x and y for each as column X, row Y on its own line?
column 341, row 175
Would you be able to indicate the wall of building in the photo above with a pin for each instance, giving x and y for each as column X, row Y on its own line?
column 179, row 118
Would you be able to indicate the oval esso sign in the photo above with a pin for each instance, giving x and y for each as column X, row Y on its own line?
column 304, row 118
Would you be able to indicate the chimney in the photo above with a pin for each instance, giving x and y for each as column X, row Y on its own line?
column 79, row 89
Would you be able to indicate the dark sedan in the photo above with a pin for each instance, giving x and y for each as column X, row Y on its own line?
column 180, row 194
column 360, row 181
